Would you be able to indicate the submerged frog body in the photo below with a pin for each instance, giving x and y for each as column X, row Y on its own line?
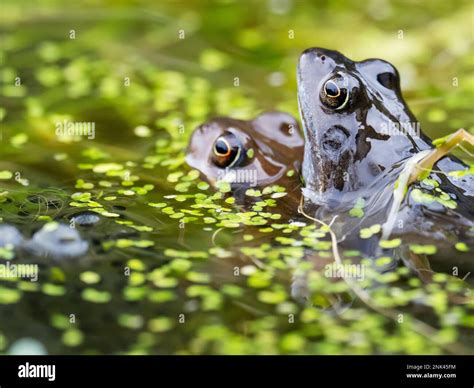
column 359, row 133
column 254, row 153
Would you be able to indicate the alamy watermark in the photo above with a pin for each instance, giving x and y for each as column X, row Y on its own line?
column 238, row 175
column 411, row 128
column 24, row 271
column 67, row 128
column 340, row 271
column 30, row 371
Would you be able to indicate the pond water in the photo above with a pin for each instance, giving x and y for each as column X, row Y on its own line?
column 173, row 266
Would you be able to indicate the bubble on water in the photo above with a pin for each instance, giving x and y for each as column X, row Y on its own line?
column 27, row 346
column 9, row 235
column 85, row 219
column 57, row 241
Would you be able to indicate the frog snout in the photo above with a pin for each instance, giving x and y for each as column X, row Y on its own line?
column 321, row 56
column 314, row 64
column 316, row 53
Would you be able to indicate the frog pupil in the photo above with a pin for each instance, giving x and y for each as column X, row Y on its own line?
column 331, row 89
column 221, row 147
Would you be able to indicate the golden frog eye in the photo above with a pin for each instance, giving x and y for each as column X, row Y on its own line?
column 227, row 150
column 334, row 93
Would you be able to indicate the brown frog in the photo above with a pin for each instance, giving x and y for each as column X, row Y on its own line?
column 264, row 151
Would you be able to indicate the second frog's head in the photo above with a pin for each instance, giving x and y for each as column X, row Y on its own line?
column 255, row 153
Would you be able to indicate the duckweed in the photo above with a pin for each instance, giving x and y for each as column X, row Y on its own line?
column 95, row 296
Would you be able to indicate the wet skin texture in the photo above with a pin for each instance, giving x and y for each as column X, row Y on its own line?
column 351, row 112
column 219, row 150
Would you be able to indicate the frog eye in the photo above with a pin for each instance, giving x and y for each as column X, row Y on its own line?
column 334, row 93
column 227, row 150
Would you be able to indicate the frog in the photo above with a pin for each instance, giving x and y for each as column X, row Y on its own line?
column 266, row 150
column 359, row 133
